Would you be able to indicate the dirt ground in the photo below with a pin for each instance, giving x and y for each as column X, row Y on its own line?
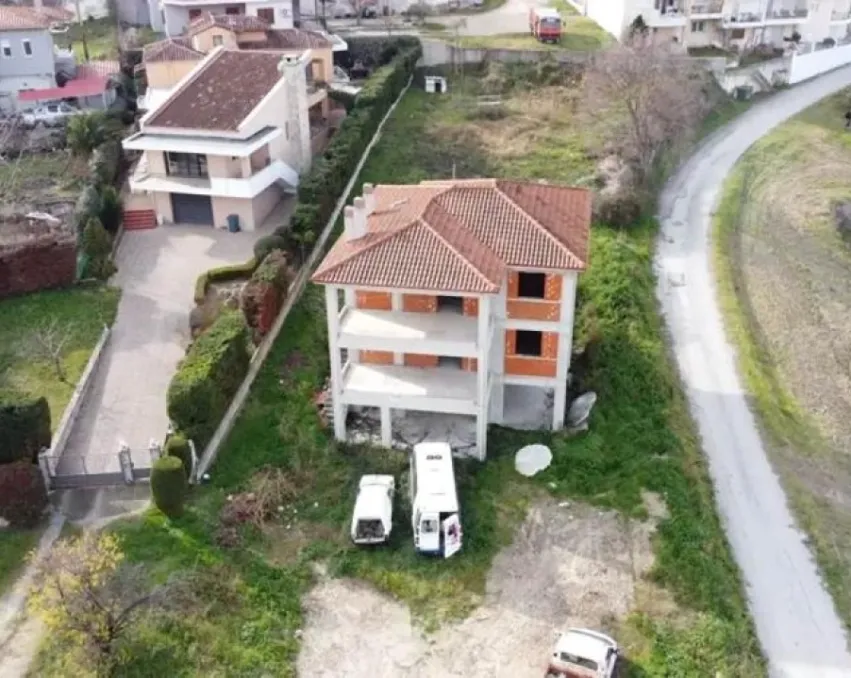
column 569, row 565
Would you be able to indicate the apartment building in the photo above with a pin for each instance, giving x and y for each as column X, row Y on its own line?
column 741, row 24
column 444, row 294
column 228, row 143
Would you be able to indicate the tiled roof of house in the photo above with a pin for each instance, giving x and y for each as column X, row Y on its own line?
column 461, row 236
column 221, row 93
column 16, row 18
column 238, row 23
column 294, row 38
column 170, row 49
column 98, row 69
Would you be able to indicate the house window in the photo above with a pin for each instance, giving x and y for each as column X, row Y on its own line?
column 737, row 34
column 528, row 343
column 6, row 48
column 218, row 40
column 531, row 285
column 698, row 26
column 450, row 304
column 267, row 14
column 233, row 9
column 186, row 165
column 28, row 48
column 194, row 14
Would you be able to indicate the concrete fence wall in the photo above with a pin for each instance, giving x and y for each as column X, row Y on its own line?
column 72, row 409
column 816, row 62
column 440, row 53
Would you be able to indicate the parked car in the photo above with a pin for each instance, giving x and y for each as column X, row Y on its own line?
column 49, row 115
column 373, row 517
column 582, row 653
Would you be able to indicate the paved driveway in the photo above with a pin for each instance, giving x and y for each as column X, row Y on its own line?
column 157, row 270
column 795, row 618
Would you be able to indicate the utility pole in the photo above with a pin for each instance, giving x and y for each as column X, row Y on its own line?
column 82, row 25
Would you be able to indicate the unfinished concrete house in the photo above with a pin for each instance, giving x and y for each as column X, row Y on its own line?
column 454, row 297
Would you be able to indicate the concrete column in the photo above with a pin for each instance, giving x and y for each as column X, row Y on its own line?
column 484, row 338
column 565, row 347
column 386, row 427
column 396, row 305
column 245, row 166
column 333, row 315
column 497, row 389
column 350, row 300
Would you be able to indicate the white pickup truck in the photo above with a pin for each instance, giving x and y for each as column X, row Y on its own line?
column 49, row 115
column 373, row 517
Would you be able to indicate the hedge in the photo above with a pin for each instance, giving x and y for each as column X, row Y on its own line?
column 374, row 51
column 168, row 485
column 23, row 496
column 319, row 191
column 208, row 377
column 178, row 446
column 222, row 274
column 24, row 429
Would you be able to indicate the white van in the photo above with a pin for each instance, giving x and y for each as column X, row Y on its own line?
column 373, row 516
column 434, row 501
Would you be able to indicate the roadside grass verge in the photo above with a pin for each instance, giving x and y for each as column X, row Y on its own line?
column 80, row 312
column 641, row 438
column 578, row 34
column 799, row 170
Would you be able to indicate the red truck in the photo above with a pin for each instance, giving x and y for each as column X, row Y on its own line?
column 545, row 24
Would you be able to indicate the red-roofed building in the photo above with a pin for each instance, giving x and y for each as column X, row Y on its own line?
column 94, row 86
column 454, row 292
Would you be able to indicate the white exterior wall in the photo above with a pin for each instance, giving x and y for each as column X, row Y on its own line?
column 177, row 13
column 283, row 11
column 806, row 66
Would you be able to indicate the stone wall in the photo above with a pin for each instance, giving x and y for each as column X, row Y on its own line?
column 441, row 53
column 37, row 265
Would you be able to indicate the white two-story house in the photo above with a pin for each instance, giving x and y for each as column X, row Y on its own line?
column 442, row 295
column 174, row 16
column 227, row 144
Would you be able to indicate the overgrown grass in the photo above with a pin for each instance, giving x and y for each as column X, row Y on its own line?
column 34, row 176
column 101, row 38
column 641, row 437
column 799, row 449
column 578, row 34
column 80, row 314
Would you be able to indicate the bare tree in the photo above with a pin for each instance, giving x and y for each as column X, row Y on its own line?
column 85, row 592
column 648, row 97
column 48, row 342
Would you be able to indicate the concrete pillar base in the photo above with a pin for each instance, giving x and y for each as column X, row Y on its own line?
column 386, row 427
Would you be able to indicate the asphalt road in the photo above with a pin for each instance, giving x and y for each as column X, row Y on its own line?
column 796, row 621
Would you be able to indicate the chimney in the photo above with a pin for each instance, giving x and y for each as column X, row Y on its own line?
column 369, row 198
column 353, row 227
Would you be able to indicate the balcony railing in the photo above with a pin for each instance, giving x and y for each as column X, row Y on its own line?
column 789, row 13
column 841, row 15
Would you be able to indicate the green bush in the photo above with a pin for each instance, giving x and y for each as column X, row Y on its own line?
column 208, row 377
column 168, row 485
column 222, row 274
column 178, row 446
column 346, row 99
column 105, row 162
column 377, row 51
column 268, row 243
column 110, row 210
column 87, row 207
column 97, row 248
column 24, row 428
column 319, row 191
column 23, row 496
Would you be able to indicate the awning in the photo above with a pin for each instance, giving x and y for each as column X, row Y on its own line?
column 84, row 87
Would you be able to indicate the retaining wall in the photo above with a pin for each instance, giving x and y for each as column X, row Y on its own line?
column 816, row 62
column 439, row 53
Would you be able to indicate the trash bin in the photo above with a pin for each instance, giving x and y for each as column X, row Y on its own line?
column 743, row 92
column 233, row 223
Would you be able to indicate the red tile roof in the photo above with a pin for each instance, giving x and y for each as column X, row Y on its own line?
column 221, row 93
column 81, row 87
column 16, row 18
column 170, row 49
column 238, row 23
column 295, row 38
column 461, row 236
column 98, row 69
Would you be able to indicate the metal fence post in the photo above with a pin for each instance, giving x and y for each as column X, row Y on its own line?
column 126, row 462
column 44, row 466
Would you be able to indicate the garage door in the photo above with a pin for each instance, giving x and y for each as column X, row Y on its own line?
column 192, row 209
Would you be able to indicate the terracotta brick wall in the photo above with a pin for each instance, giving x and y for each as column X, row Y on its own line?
column 548, row 309
column 376, row 357
column 419, row 303
column 420, row 360
column 373, row 301
column 42, row 265
column 471, row 306
column 470, row 364
column 543, row 366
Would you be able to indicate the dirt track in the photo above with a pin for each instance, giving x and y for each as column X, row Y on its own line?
column 568, row 566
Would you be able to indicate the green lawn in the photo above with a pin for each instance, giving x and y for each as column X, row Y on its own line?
column 774, row 226
column 641, row 438
column 80, row 314
column 14, row 547
column 101, row 38
column 579, row 34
